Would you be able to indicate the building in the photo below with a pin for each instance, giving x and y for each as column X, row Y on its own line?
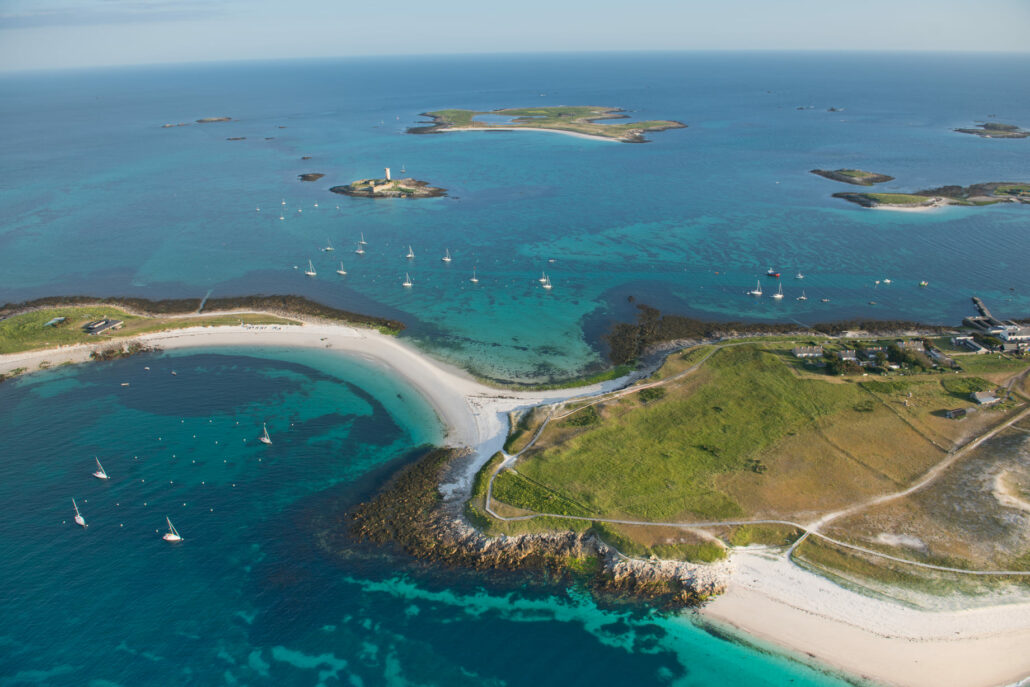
column 808, row 351
column 984, row 398
column 97, row 326
column 1013, row 333
column 848, row 354
column 912, row 345
column 957, row 414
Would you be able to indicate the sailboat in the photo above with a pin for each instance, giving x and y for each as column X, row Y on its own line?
column 360, row 250
column 411, row 253
column 407, row 281
column 403, row 171
column 342, row 272
column 802, row 297
column 474, row 279
column 543, row 278
column 79, row 520
column 310, row 271
column 886, row 281
column 547, row 282
column 100, row 473
column 799, row 275
column 172, row 534
column 757, row 291
column 328, row 246
column 446, row 255
column 264, row 438
column 362, row 240
column 779, row 292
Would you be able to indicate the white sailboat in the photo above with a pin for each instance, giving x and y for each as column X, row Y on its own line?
column 474, row 279
column 362, row 240
column 328, row 246
column 799, row 276
column 446, row 255
column 411, row 253
column 802, row 297
column 779, row 292
column 342, row 272
column 264, row 438
column 172, row 534
column 360, row 250
column 79, row 520
column 543, row 278
column 407, row 281
column 310, row 271
column 757, row 291
column 100, row 472
column 547, row 282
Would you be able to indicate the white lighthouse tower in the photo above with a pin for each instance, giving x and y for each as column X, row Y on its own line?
column 387, row 173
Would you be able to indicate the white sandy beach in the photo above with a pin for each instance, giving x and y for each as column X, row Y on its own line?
column 531, row 128
column 767, row 597
column 775, row 601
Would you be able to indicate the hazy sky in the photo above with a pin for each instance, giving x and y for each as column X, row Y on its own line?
column 61, row 33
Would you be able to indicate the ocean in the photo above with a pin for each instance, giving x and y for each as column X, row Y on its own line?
column 98, row 198
column 248, row 597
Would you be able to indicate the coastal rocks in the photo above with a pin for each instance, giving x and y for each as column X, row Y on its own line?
column 996, row 130
column 389, row 188
column 237, row 138
column 411, row 514
column 172, row 126
column 857, row 177
column 213, row 120
column 310, row 176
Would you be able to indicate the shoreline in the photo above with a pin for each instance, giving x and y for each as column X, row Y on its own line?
column 785, row 606
column 576, row 134
column 772, row 600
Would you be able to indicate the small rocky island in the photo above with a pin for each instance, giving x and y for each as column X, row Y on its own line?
column 975, row 195
column 212, row 120
column 581, row 120
column 858, row 177
column 996, row 130
column 310, row 176
column 388, row 187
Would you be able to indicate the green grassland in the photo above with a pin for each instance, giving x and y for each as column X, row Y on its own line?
column 579, row 119
column 897, row 198
column 750, row 434
column 25, row 332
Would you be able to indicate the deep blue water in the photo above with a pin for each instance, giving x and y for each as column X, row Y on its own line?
column 98, row 198
column 248, row 597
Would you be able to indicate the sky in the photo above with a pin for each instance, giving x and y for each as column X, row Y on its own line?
column 55, row 34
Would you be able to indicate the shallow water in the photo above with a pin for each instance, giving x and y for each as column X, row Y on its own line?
column 247, row 597
column 98, row 198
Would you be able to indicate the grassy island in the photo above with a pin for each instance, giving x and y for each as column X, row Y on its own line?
column 996, row 130
column 857, row 177
column 750, row 442
column 389, row 188
column 581, row 120
column 975, row 195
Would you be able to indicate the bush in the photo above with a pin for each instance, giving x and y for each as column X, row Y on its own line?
column 653, row 393
column 583, row 418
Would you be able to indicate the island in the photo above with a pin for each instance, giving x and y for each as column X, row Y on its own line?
column 310, row 176
column 213, row 120
column 388, row 187
column 767, row 481
column 974, row 195
column 858, row 177
column 996, row 130
column 575, row 120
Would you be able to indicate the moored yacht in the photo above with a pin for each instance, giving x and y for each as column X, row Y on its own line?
column 100, row 472
column 172, row 534
column 310, row 271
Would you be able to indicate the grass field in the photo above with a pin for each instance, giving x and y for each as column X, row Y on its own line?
column 26, row 332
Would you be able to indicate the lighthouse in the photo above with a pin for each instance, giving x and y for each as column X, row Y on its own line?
column 387, row 173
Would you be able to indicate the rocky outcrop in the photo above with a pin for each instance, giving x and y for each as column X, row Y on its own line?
column 410, row 513
column 389, row 188
column 857, row 177
column 310, row 176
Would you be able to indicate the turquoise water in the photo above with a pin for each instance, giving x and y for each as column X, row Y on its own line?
column 247, row 597
column 98, row 198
